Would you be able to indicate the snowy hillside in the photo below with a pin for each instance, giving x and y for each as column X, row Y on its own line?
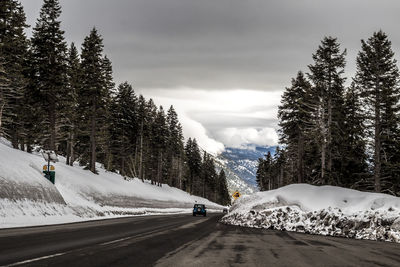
column 235, row 182
column 243, row 163
column 325, row 210
column 27, row 198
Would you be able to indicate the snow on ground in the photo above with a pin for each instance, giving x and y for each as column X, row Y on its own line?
column 323, row 210
column 27, row 198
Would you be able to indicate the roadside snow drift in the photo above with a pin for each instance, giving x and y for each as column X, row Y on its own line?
column 323, row 210
column 27, row 198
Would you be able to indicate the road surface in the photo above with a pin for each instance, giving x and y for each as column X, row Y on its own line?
column 183, row 240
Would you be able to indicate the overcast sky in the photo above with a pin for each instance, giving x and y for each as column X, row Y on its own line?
column 222, row 63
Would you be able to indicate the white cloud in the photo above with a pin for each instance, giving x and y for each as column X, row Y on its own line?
column 195, row 129
column 223, row 118
column 234, row 137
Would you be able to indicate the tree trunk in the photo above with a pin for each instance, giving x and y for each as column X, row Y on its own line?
column 159, row 171
column 67, row 157
column 141, row 155
column 300, row 159
column 72, row 159
column 180, row 173
column 323, row 141
column 377, row 155
column 1, row 117
column 93, row 140
column 329, row 139
column 52, row 121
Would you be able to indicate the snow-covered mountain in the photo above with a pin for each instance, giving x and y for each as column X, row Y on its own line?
column 235, row 182
column 243, row 162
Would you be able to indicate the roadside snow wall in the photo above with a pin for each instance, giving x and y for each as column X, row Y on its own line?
column 27, row 198
column 323, row 210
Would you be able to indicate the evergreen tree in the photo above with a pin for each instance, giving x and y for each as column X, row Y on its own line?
column 73, row 86
column 264, row 177
column 13, row 53
column 143, row 131
column 174, row 149
column 93, row 97
column 193, row 161
column 49, row 54
column 326, row 74
column 280, row 163
column 354, row 156
column 160, row 135
column 293, row 115
column 151, row 156
column 208, row 178
column 223, row 194
column 378, row 78
column 123, row 130
column 104, row 145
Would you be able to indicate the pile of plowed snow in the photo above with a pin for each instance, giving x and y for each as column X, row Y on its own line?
column 323, row 210
column 27, row 198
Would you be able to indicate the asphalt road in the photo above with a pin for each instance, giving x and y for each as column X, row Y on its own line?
column 183, row 240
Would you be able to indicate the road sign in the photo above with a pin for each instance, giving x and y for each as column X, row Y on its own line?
column 236, row 195
column 49, row 170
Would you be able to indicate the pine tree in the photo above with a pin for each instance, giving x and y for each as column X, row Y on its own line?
column 161, row 139
column 174, row 149
column 13, row 53
column 264, row 175
column 104, row 146
column 327, row 76
column 49, row 54
column 143, row 130
column 151, row 158
column 123, row 130
column 293, row 115
column 193, row 157
column 378, row 78
column 71, row 103
column 208, row 178
column 223, row 193
column 280, row 163
column 354, row 156
column 93, row 97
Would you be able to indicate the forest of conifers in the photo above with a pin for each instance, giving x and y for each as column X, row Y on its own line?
column 333, row 134
column 54, row 97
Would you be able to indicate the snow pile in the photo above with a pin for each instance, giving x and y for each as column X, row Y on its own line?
column 27, row 198
column 323, row 210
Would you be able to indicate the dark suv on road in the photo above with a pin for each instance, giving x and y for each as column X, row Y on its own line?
column 199, row 209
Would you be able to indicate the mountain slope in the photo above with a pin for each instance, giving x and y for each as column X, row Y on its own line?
column 244, row 161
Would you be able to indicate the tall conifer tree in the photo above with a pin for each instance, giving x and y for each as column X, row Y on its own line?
column 378, row 78
column 13, row 50
column 49, row 55
column 326, row 73
column 93, row 96
column 294, row 114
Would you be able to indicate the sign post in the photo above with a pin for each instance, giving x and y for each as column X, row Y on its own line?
column 49, row 170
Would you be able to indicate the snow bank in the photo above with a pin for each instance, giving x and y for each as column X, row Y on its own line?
column 27, row 198
column 325, row 210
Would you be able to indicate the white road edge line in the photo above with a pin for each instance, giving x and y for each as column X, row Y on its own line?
column 115, row 241
column 35, row 259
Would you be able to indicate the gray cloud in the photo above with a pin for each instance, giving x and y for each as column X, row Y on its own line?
column 221, row 44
